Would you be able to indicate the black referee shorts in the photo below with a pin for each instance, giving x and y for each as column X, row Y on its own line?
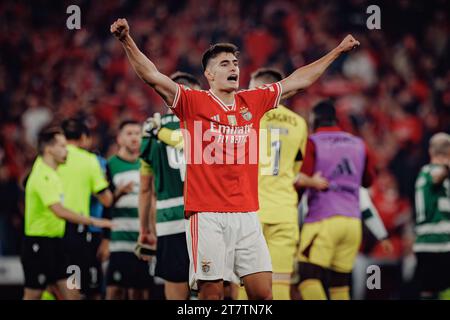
column 81, row 247
column 44, row 261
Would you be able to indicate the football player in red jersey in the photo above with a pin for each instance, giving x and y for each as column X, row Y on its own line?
column 221, row 183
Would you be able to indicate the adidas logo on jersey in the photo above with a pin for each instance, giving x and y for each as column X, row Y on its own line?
column 345, row 167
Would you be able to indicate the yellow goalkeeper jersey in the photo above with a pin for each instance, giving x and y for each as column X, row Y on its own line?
column 283, row 135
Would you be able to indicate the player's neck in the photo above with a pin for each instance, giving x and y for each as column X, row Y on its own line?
column 50, row 161
column 127, row 155
column 226, row 97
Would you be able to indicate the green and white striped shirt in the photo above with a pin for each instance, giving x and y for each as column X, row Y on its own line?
column 432, row 212
column 124, row 213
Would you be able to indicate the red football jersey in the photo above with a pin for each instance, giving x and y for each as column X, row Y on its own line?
column 221, row 147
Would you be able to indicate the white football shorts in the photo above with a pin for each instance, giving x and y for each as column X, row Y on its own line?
column 222, row 245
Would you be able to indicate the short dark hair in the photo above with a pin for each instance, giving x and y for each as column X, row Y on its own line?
column 216, row 49
column 47, row 137
column 270, row 75
column 74, row 128
column 324, row 114
column 185, row 78
column 125, row 123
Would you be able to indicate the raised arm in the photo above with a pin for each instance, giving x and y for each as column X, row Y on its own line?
column 144, row 68
column 303, row 77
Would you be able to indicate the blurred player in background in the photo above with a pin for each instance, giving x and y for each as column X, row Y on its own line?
column 44, row 256
column 331, row 233
column 221, row 200
column 99, row 246
column 278, row 198
column 162, row 175
column 82, row 177
column 371, row 220
column 432, row 244
column 127, row 275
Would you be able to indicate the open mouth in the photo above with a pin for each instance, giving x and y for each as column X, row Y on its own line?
column 233, row 77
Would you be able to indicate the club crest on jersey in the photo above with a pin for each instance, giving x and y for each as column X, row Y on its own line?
column 206, row 266
column 232, row 120
column 247, row 115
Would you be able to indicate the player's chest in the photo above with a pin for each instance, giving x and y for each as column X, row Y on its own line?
column 127, row 177
column 238, row 114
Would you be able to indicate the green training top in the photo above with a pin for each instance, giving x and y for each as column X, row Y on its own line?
column 167, row 165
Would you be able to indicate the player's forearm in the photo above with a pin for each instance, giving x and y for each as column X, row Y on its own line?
column 144, row 211
column 305, row 76
column 143, row 67
column 145, row 204
column 153, row 213
column 304, row 181
column 70, row 216
column 118, row 193
column 106, row 198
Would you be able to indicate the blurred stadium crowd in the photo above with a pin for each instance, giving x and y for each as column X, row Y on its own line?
column 394, row 91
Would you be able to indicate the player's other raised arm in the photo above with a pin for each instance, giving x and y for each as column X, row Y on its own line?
column 144, row 68
column 305, row 76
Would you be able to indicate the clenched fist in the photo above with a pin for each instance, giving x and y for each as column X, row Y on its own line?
column 152, row 125
column 348, row 43
column 120, row 29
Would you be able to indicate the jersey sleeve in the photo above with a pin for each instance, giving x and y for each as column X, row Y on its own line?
column 171, row 137
column 309, row 159
column 302, row 149
column 264, row 98
column 370, row 215
column 146, row 169
column 423, row 189
column 182, row 103
column 50, row 191
column 98, row 179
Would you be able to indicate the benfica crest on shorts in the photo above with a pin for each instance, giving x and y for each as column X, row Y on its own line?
column 205, row 266
column 245, row 113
